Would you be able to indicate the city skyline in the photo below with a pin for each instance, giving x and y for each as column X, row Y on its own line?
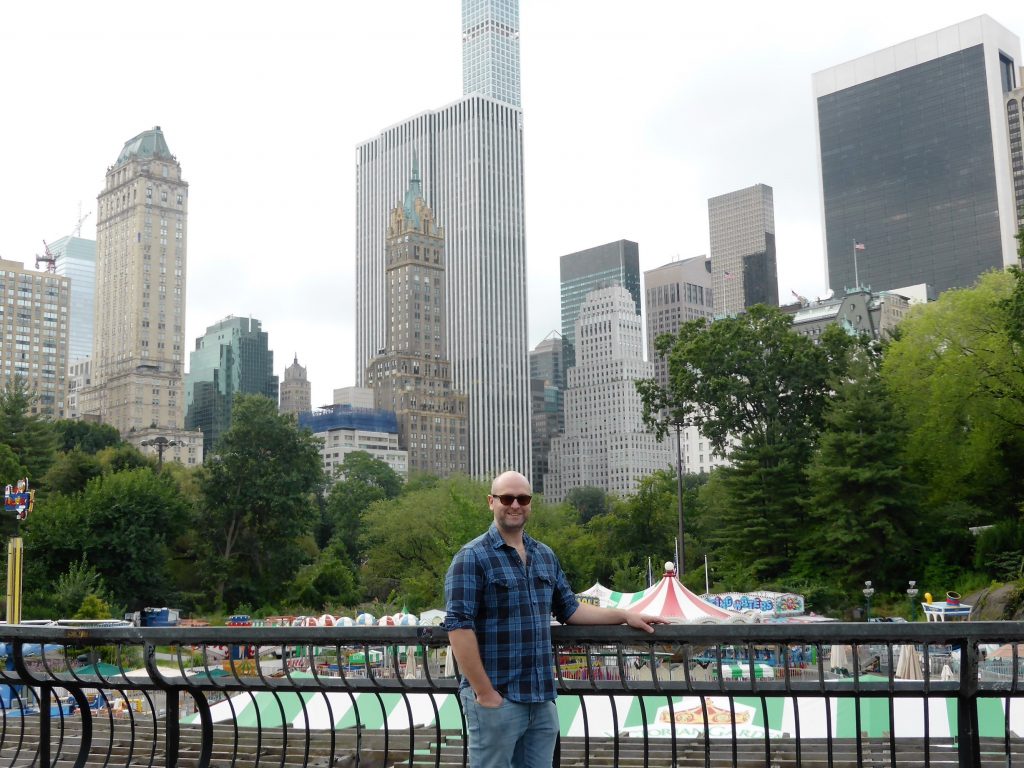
column 252, row 95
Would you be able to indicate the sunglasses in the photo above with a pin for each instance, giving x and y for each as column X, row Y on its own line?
column 506, row 499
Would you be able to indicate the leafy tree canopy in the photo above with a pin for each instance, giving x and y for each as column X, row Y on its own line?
column 27, row 434
column 86, row 436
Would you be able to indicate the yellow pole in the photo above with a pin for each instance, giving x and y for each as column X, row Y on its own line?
column 15, row 554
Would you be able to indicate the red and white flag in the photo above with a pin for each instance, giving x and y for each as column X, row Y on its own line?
column 858, row 246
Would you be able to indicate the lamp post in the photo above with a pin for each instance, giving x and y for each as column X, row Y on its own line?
column 868, row 592
column 912, row 594
column 162, row 444
column 681, row 565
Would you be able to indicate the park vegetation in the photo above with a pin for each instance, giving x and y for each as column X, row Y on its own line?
column 852, row 459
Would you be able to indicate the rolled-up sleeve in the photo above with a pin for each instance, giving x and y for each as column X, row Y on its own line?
column 462, row 591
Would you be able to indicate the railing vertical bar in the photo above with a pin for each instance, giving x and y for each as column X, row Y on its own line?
column 968, row 743
column 44, row 726
column 707, row 728
column 172, row 729
column 647, row 740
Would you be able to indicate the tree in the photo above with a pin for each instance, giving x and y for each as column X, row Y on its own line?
column 859, row 491
column 258, row 492
column 409, row 541
column 588, row 501
column 86, row 436
column 957, row 376
column 121, row 526
column 70, row 473
column 11, row 468
column 362, row 480
column 28, row 435
column 753, row 386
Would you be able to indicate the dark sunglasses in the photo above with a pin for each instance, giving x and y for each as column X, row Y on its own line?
column 506, row 499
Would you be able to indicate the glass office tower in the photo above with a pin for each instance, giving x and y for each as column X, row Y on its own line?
column 915, row 161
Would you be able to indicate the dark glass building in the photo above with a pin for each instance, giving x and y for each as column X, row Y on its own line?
column 580, row 273
column 233, row 357
column 915, row 161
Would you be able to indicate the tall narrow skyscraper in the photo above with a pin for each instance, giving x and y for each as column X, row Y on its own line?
column 471, row 159
column 490, row 49
column 138, row 357
column 412, row 377
column 743, row 262
column 603, row 266
column 915, row 161
column 76, row 260
column 1015, row 131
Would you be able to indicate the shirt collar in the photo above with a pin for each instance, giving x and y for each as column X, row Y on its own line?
column 496, row 542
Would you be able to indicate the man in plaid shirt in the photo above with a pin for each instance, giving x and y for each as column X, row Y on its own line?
column 501, row 591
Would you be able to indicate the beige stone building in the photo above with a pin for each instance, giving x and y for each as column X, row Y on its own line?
column 138, row 355
column 296, row 391
column 34, row 339
column 412, row 377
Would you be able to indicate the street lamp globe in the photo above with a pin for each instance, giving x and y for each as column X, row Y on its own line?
column 868, row 592
column 912, row 595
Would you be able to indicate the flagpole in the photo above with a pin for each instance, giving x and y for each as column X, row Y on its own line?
column 707, row 581
column 856, row 274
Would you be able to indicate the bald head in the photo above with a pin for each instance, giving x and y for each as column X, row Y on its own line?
column 510, row 482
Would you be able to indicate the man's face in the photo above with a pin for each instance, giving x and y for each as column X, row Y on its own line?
column 511, row 517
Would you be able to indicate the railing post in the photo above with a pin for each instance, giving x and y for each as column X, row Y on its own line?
column 967, row 736
column 44, row 725
column 172, row 731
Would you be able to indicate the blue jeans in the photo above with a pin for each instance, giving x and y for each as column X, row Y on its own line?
column 510, row 736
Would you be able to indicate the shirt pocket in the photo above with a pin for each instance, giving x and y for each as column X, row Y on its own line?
column 543, row 590
column 498, row 595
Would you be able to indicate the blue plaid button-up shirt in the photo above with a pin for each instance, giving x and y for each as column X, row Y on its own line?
column 509, row 607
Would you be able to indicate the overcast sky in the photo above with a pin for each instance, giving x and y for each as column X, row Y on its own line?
column 635, row 114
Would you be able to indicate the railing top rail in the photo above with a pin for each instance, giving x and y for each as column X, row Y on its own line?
column 827, row 633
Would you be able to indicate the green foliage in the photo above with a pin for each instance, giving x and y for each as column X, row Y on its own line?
column 11, row 468
column 588, row 501
column 122, row 457
column 958, row 378
column 85, row 436
column 362, row 481
column 409, row 541
column 29, row 436
column 70, row 473
column 859, row 493
column 258, row 493
column 121, row 525
column 93, row 607
column 72, row 588
column 999, row 551
column 327, row 580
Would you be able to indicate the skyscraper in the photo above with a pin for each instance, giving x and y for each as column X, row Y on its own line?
column 490, row 49
column 139, row 316
column 1015, row 131
column 76, row 260
column 580, row 273
column 547, row 387
column 412, row 376
column 743, row 262
column 605, row 444
column 914, row 159
column 233, row 357
column 296, row 391
column 677, row 293
column 34, row 343
column 471, row 159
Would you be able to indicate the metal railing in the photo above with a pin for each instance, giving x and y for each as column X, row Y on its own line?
column 761, row 694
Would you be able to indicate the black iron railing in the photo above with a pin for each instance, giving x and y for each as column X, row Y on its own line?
column 820, row 694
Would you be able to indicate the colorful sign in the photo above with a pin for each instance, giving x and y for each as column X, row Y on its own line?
column 768, row 603
column 19, row 499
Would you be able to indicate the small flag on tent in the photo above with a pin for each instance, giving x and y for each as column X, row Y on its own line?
column 857, row 246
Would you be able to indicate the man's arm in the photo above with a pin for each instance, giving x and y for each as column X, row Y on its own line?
column 467, row 652
column 592, row 614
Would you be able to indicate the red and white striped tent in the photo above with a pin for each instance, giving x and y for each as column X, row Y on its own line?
column 669, row 599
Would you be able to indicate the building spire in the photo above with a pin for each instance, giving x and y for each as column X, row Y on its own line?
column 414, row 192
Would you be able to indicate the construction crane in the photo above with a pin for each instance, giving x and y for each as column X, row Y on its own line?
column 49, row 259
column 81, row 220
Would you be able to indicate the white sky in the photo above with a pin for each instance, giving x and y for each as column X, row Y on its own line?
column 635, row 113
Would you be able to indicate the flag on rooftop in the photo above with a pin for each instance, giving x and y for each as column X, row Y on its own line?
column 858, row 246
